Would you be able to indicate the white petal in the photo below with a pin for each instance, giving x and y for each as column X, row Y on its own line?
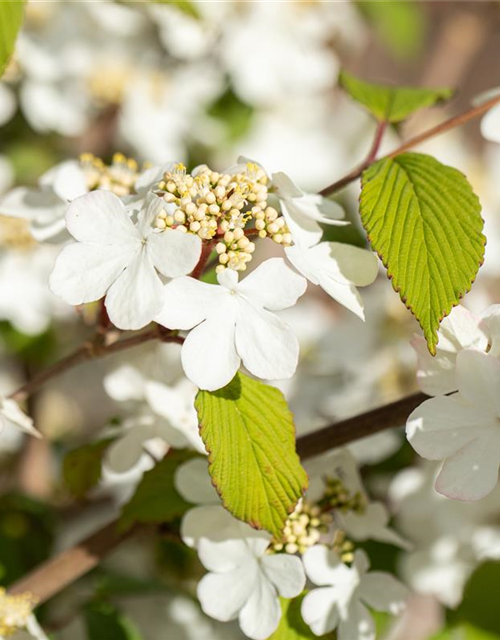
column 305, row 231
column 371, row 524
column 441, row 426
column 84, row 272
column 152, row 176
column 286, row 573
column 285, row 186
column 319, row 610
column 228, row 553
column 490, row 124
column 358, row 266
column 209, row 356
column 346, row 295
column 205, row 523
column 478, row 379
column 222, row 596
column 260, row 617
column 67, row 180
column 12, row 414
column 322, row 565
column 187, row 302
column 136, row 297
column 193, row 483
column 125, row 383
column 266, row 345
column 273, row 285
column 100, row 217
column 174, row 253
column 29, row 203
column 125, row 452
column 472, row 473
column 435, row 374
column 228, row 279
column 383, row 592
column 358, row 625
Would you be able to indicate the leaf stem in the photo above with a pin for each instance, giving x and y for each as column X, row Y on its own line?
column 447, row 125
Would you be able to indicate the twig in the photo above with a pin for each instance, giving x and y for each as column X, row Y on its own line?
column 90, row 351
column 56, row 574
column 447, row 125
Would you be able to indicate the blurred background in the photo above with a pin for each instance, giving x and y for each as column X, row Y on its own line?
column 205, row 82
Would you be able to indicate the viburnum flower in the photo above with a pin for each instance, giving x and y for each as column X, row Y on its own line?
column 460, row 330
column 335, row 479
column 16, row 617
column 46, row 205
column 303, row 212
column 116, row 258
column 244, row 581
column 463, row 429
column 233, row 323
column 345, row 593
column 338, row 269
column 11, row 415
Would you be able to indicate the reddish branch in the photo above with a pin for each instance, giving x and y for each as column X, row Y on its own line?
column 451, row 123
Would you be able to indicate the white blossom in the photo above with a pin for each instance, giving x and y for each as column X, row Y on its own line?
column 490, row 124
column 338, row 269
column 116, row 258
column 345, row 593
column 46, row 205
column 244, row 581
column 233, row 323
column 463, row 429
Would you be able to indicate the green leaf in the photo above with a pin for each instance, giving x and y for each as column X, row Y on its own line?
column 479, row 606
column 291, row 626
column 156, row 499
column 103, row 621
column 391, row 104
column 423, row 220
column 11, row 18
column 82, row 467
column 249, row 433
column 401, row 25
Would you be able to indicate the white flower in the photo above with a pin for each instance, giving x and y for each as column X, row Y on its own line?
column 490, row 124
column 116, row 258
column 244, row 581
column 232, row 323
column 463, row 429
column 338, row 269
column 304, row 212
column 11, row 415
column 341, row 602
column 460, row 330
column 46, row 205
column 370, row 521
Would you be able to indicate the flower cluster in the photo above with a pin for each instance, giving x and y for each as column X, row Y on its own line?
column 119, row 177
column 16, row 614
column 212, row 204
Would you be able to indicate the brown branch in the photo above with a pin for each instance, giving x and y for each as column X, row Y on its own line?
column 90, row 351
column 56, row 574
column 447, row 125
column 53, row 576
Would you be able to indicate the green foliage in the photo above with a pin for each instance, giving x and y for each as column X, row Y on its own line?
column 187, row 7
column 423, row 220
column 479, row 606
column 104, row 621
column 11, row 18
column 35, row 349
column 111, row 585
column 27, row 530
column 156, row 499
column 82, row 467
column 400, row 24
column 248, row 430
column 465, row 632
column 234, row 114
column 291, row 626
column 388, row 103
